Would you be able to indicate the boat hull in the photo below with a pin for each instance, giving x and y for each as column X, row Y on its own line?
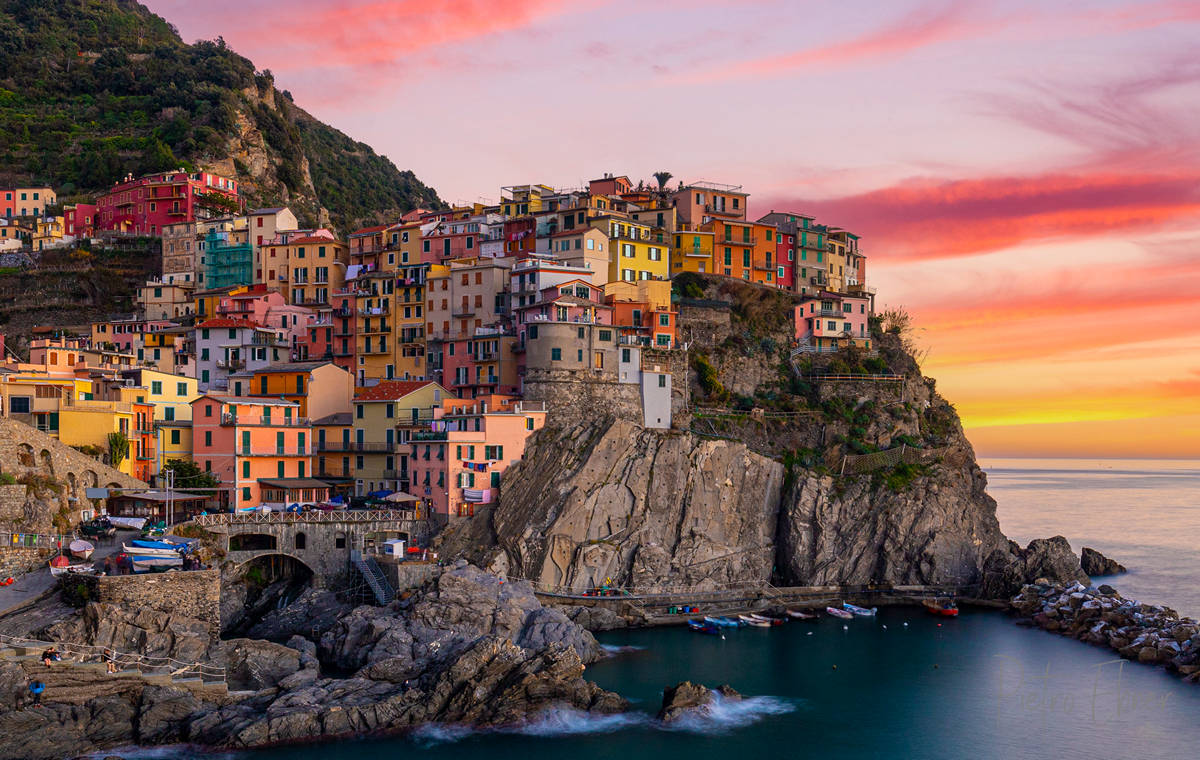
column 838, row 613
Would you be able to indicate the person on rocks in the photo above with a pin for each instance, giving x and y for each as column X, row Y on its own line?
column 50, row 655
column 35, row 690
column 110, row 660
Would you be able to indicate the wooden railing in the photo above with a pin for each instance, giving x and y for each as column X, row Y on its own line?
column 308, row 516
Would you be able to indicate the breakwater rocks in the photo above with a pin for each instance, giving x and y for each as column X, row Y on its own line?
column 1146, row 633
column 1095, row 563
column 686, row 698
column 466, row 649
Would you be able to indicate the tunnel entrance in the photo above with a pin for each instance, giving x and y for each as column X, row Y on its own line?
column 266, row 583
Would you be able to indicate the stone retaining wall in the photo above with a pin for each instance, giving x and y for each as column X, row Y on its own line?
column 192, row 593
column 15, row 561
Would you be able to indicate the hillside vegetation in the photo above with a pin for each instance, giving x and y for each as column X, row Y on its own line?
column 91, row 90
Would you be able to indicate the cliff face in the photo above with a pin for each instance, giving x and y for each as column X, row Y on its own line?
column 613, row 501
column 775, row 475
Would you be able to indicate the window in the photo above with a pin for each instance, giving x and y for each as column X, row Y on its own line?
column 175, row 437
column 169, row 414
column 662, row 381
column 625, row 355
column 555, row 356
column 19, row 405
column 358, row 411
column 605, row 336
column 664, row 320
column 246, row 493
column 208, row 410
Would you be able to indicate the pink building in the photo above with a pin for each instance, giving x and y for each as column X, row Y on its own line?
column 270, row 309
column 460, row 462
column 143, row 206
column 827, row 321
column 259, row 447
column 571, row 301
column 451, row 239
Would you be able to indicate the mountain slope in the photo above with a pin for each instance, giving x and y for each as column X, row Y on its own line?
column 93, row 89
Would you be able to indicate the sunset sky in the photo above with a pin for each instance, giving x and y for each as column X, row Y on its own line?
column 1025, row 175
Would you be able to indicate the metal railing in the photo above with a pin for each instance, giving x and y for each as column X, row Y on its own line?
column 33, row 540
column 145, row 664
column 310, row 516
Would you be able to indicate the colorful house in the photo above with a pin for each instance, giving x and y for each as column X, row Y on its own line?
column 634, row 253
column 259, row 448
column 828, row 321
column 692, row 252
column 385, row 417
column 318, row 388
column 459, row 463
column 745, row 250
column 145, row 205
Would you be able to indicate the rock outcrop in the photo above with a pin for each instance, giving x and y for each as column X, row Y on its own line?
column 468, row 648
column 686, row 698
column 145, row 632
column 1144, row 633
column 1095, row 563
column 609, row 500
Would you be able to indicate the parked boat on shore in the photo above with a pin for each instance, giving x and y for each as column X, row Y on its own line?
column 802, row 615
column 81, row 549
column 755, row 621
column 87, row 569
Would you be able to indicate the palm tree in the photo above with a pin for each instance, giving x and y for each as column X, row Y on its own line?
column 662, row 178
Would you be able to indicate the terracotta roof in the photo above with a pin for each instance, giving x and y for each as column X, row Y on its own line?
column 312, row 239
column 369, row 230
column 390, row 390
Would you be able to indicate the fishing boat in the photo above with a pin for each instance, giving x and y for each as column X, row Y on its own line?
column 72, row 570
column 703, row 626
column 723, row 622
column 802, row 615
column 129, row 523
column 943, row 607
column 147, row 551
column 81, row 549
column 769, row 618
column 148, row 564
column 837, row 612
column 146, row 543
column 58, row 560
column 754, row 621
column 860, row 611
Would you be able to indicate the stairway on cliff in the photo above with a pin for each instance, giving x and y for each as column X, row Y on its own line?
column 372, row 575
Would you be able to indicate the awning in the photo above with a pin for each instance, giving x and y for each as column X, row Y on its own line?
column 400, row 496
column 292, row 483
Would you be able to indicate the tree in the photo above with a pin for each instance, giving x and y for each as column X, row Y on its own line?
column 118, row 448
column 189, row 475
column 218, row 204
column 662, row 178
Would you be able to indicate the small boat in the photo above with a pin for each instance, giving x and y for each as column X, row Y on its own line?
column 702, row 626
column 837, row 612
column 802, row 615
column 943, row 607
column 81, row 549
column 723, row 622
column 145, row 543
column 58, row 560
column 129, row 523
column 147, row 564
column 755, row 621
column 769, row 619
column 72, row 570
column 860, row 611
column 143, row 551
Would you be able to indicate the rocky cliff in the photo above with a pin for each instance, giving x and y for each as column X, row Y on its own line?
column 777, row 475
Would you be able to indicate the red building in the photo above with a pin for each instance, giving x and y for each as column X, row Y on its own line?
column 451, row 239
column 79, row 220
column 143, row 206
column 785, row 259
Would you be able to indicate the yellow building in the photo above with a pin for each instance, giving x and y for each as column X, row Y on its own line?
column 89, row 423
column 656, row 293
column 692, row 252
column 633, row 252
column 519, row 200
column 34, row 397
column 48, row 230
column 171, row 395
column 374, row 318
column 207, row 302
column 164, row 300
column 409, row 323
column 159, row 349
column 663, row 221
column 174, row 441
column 385, row 417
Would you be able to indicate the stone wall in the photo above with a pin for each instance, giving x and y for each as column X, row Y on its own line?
column 26, row 451
column 15, row 561
column 193, row 593
column 581, row 394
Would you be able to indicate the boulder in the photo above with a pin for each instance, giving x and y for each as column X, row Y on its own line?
column 687, row 697
column 312, row 613
column 255, row 664
column 1094, row 563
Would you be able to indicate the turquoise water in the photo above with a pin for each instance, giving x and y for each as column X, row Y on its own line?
column 977, row 687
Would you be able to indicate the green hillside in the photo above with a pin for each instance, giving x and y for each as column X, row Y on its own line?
column 93, row 89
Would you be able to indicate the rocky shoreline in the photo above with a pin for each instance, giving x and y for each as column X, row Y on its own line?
column 1146, row 633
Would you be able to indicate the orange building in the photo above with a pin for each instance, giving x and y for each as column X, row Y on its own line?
column 745, row 250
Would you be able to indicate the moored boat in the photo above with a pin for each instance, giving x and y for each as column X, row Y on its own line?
column 860, row 611
column 754, row 620
column 72, row 569
column 802, row 615
column 81, row 549
column 703, row 626
column 943, row 607
column 839, row 613
column 147, row 564
column 769, row 619
column 723, row 622
column 144, row 551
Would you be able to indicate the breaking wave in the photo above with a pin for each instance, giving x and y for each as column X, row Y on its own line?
column 723, row 715
column 612, row 650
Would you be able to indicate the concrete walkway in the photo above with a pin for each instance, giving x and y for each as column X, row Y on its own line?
column 32, row 585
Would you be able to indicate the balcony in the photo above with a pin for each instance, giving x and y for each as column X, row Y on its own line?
column 343, row 311
column 343, row 352
column 463, row 311
column 374, row 311
column 375, row 350
column 242, row 420
column 231, row 364
column 356, row 447
column 374, row 330
column 428, row 435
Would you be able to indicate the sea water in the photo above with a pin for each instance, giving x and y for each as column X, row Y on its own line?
column 903, row 684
